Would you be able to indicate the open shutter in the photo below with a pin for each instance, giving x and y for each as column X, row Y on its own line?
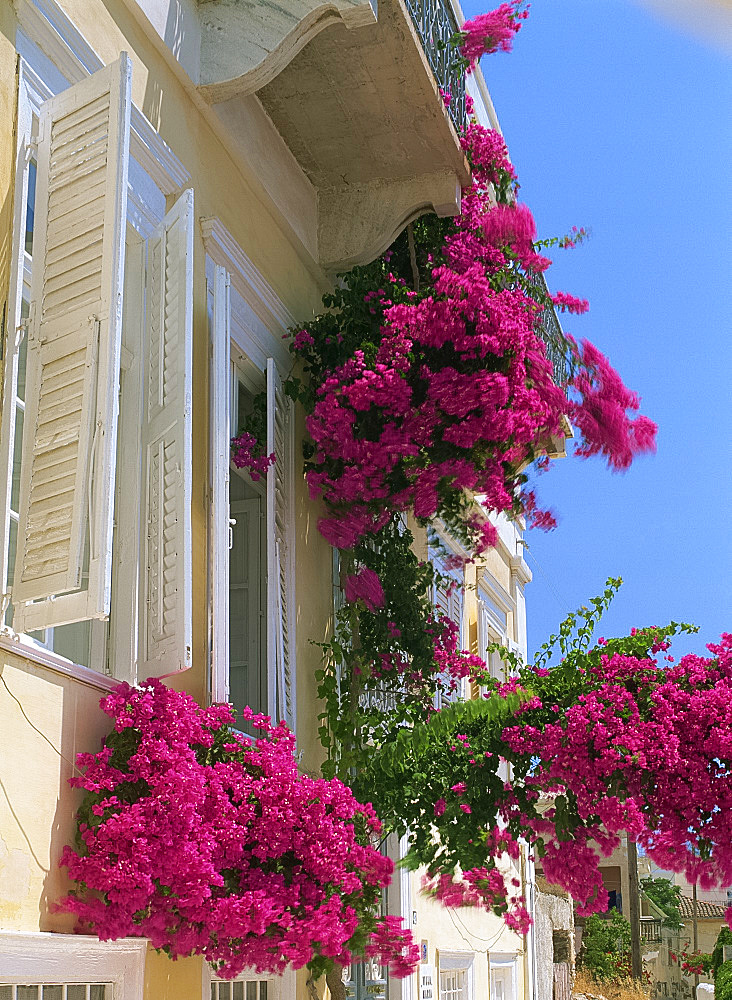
column 72, row 375
column 448, row 600
column 280, row 633
column 220, row 382
column 166, row 589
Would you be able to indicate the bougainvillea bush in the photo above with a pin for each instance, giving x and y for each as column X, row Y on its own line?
column 610, row 739
column 432, row 375
column 209, row 843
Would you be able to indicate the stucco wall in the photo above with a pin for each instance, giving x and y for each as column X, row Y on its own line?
column 552, row 913
column 37, row 806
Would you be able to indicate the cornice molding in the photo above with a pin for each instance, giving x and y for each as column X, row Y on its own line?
column 256, row 291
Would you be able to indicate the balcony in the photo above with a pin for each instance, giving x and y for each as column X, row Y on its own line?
column 353, row 92
column 555, row 341
column 650, row 930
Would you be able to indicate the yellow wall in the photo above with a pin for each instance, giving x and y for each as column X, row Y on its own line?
column 166, row 980
column 37, row 807
column 465, row 930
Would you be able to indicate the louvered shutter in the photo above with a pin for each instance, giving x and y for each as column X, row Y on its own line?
column 166, row 586
column 72, row 375
column 220, row 381
column 280, row 634
column 448, row 600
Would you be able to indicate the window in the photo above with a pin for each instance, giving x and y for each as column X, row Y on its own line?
column 251, row 566
column 57, row 991
column 253, row 986
column 503, row 977
column 452, row 984
column 447, row 597
column 97, row 392
column 247, row 571
column 456, row 975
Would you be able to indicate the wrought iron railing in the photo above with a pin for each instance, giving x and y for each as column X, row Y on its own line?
column 436, row 24
column 555, row 341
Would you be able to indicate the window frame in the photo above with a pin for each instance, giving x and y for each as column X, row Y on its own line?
column 155, row 173
column 55, row 959
column 285, row 984
column 437, row 559
column 248, row 337
column 457, row 961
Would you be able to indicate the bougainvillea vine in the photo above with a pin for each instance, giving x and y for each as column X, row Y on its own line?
column 210, row 843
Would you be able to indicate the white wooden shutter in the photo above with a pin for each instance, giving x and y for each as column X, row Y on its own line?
column 448, row 600
column 280, row 623
column 72, row 375
column 166, row 587
column 220, row 382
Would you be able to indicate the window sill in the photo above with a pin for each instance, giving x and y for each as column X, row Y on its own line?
column 21, row 645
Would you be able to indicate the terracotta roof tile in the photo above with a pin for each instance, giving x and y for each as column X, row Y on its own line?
column 705, row 911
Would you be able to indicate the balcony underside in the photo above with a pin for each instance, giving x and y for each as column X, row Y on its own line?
column 356, row 103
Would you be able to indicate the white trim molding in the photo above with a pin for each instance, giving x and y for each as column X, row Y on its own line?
column 284, row 985
column 270, row 314
column 73, row 958
column 224, row 250
column 45, row 24
column 19, row 644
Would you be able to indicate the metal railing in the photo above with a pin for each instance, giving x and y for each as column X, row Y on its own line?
column 650, row 930
column 435, row 23
column 556, row 343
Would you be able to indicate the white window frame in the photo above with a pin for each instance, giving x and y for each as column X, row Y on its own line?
column 55, row 56
column 257, row 321
column 437, row 560
column 54, row 959
column 504, row 960
column 282, row 987
column 457, row 961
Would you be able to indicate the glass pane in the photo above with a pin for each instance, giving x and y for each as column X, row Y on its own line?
column 17, row 454
column 76, row 992
column 22, row 354
column 238, row 990
column 12, row 548
column 30, row 206
column 53, row 993
column 98, row 992
column 244, row 407
column 6, row 993
column 263, row 990
column 29, row 993
column 72, row 641
column 252, row 991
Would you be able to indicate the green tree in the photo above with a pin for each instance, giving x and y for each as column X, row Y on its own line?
column 667, row 897
column 605, row 945
column 723, row 938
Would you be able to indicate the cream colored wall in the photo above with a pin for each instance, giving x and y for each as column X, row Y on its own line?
column 469, row 929
column 37, row 806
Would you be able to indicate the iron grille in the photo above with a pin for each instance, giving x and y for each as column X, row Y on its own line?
column 436, row 24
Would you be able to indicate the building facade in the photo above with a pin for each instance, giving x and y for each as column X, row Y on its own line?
column 180, row 181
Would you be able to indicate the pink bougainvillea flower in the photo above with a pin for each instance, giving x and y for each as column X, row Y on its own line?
column 365, row 586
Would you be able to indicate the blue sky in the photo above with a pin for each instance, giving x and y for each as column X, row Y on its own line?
column 618, row 120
